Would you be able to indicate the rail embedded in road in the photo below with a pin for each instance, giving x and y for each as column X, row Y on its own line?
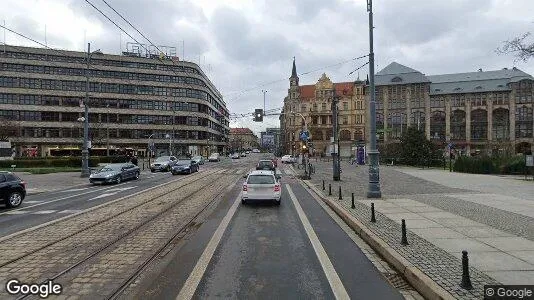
column 36, row 255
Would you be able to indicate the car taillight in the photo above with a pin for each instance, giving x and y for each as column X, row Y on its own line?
column 23, row 183
column 244, row 187
column 277, row 188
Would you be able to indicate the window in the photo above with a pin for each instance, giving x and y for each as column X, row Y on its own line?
column 345, row 106
column 345, row 120
column 458, row 125
column 523, row 122
column 501, row 124
column 479, row 124
column 323, row 106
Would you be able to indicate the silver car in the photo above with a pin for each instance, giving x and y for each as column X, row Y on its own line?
column 163, row 163
column 115, row 173
column 199, row 159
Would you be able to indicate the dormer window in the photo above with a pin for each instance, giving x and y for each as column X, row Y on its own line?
column 396, row 79
column 458, row 89
column 478, row 88
column 437, row 90
column 500, row 85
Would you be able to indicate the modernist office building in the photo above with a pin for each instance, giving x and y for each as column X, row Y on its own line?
column 134, row 99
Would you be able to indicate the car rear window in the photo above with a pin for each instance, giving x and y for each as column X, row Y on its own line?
column 11, row 177
column 260, row 179
column 265, row 163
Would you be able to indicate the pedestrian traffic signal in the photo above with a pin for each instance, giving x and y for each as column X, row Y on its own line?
column 258, row 115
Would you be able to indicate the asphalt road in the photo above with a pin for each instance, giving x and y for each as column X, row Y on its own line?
column 291, row 251
column 44, row 207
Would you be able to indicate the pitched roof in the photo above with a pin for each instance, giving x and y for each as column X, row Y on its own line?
column 395, row 73
column 307, row 91
column 240, row 131
column 474, row 82
column 344, row 87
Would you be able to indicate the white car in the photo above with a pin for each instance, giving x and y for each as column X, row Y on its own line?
column 288, row 159
column 261, row 185
column 255, row 151
column 214, row 157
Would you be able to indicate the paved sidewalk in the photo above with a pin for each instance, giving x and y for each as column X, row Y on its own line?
column 39, row 183
column 489, row 216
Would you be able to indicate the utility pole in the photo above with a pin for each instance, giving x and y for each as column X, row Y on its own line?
column 172, row 137
column 107, row 132
column 85, row 150
column 374, row 173
column 263, row 100
column 335, row 153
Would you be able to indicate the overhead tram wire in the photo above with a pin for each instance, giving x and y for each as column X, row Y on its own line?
column 102, row 13
column 300, row 74
column 365, row 64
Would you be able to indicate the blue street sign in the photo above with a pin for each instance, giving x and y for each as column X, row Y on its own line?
column 451, row 145
column 304, row 135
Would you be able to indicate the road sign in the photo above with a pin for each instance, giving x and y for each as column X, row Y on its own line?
column 304, row 135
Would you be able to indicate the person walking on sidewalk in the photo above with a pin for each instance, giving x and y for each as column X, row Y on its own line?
column 134, row 160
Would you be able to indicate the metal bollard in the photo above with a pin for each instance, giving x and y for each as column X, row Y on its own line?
column 323, row 186
column 373, row 218
column 404, row 240
column 352, row 202
column 340, row 197
column 329, row 189
column 466, row 280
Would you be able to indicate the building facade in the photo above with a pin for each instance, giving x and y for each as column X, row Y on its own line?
column 242, row 139
column 133, row 102
column 476, row 112
column 270, row 139
column 312, row 104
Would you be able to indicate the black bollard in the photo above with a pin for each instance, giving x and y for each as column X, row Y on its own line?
column 373, row 218
column 404, row 240
column 323, row 185
column 340, row 197
column 466, row 281
column 352, row 205
column 329, row 189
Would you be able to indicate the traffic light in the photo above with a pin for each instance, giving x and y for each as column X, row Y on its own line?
column 258, row 115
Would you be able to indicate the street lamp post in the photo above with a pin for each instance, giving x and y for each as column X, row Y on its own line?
column 85, row 151
column 263, row 100
column 149, row 149
column 107, row 132
column 374, row 173
column 336, row 174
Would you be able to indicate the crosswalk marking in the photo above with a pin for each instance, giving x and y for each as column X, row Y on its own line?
column 43, row 212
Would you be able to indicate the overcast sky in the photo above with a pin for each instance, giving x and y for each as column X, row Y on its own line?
column 243, row 44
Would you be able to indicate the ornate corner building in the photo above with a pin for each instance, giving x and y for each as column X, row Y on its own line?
column 314, row 103
column 482, row 111
column 133, row 101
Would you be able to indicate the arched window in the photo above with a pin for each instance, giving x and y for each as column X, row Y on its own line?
column 344, row 135
column 396, row 79
column 458, row 125
column 418, row 120
column 479, row 124
column 523, row 122
column 501, row 124
column 358, row 135
column 437, row 125
column 397, row 123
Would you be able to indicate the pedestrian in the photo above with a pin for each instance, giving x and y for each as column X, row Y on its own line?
column 134, row 160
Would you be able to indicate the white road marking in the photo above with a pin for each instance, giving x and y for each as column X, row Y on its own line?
column 33, row 201
column 69, row 211
column 333, row 278
column 122, row 189
column 16, row 212
column 102, row 196
column 43, row 212
column 63, row 198
column 238, row 171
column 74, row 190
column 190, row 286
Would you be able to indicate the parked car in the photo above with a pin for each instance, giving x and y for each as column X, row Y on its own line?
column 199, row 159
column 243, row 154
column 163, row 163
column 247, row 152
column 261, row 185
column 184, row 167
column 265, row 165
column 12, row 189
column 255, row 150
column 235, row 156
column 115, row 173
column 288, row 159
column 214, row 157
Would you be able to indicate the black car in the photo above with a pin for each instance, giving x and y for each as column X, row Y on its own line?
column 12, row 189
column 184, row 167
column 266, row 165
column 115, row 173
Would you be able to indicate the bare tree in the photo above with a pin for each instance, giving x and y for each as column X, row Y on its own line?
column 8, row 129
column 520, row 47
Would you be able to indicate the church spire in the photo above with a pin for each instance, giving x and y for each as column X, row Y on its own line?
column 294, row 79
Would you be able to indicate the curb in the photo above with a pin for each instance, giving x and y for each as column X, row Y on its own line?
column 419, row 280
